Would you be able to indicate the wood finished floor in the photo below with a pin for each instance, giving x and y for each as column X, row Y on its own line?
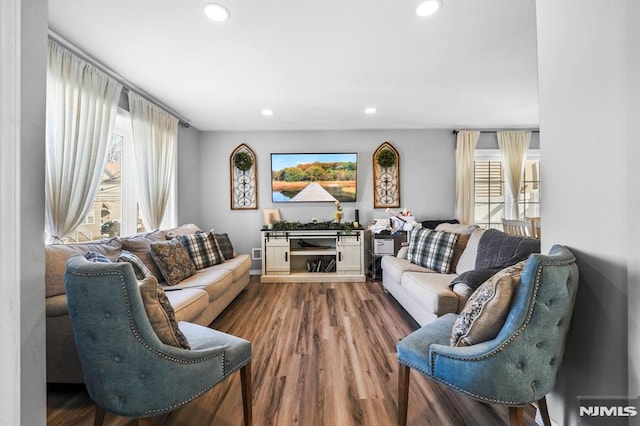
column 323, row 354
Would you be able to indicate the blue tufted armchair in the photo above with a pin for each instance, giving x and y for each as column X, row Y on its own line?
column 127, row 369
column 518, row 367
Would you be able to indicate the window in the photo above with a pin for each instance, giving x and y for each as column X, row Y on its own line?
column 489, row 188
column 116, row 196
column 490, row 194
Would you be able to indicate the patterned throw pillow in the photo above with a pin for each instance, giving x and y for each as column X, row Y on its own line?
column 432, row 249
column 96, row 257
column 483, row 316
column 139, row 268
column 172, row 260
column 225, row 245
column 161, row 314
column 202, row 248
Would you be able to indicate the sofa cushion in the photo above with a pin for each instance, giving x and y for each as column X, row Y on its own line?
column 139, row 268
column 467, row 261
column 139, row 245
column 239, row 266
column 393, row 268
column 483, row 316
column 172, row 260
column 202, row 248
column 432, row 249
column 224, row 242
column 432, row 290
column 56, row 256
column 188, row 303
column 214, row 281
column 161, row 314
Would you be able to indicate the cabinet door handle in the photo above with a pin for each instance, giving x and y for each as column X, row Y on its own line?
column 286, row 256
column 339, row 256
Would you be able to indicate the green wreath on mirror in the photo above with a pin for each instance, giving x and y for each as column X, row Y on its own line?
column 243, row 161
column 386, row 158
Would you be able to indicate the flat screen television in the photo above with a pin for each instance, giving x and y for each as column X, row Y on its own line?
column 313, row 177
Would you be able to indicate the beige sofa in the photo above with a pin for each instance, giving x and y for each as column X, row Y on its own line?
column 426, row 294
column 198, row 299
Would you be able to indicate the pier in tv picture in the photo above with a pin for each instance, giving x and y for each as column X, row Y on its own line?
column 313, row 177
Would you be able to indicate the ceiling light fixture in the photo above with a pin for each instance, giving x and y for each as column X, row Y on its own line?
column 428, row 7
column 216, row 12
column 370, row 110
column 267, row 112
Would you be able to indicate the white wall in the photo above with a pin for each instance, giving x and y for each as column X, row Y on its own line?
column 588, row 152
column 188, row 179
column 24, row 53
column 427, row 176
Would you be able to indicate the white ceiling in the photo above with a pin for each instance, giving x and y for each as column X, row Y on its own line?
column 318, row 64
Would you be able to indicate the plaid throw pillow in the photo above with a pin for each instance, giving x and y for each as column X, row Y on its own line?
column 202, row 248
column 139, row 268
column 432, row 249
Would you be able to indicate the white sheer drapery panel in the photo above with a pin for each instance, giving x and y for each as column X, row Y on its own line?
column 81, row 108
column 155, row 141
column 513, row 150
column 465, row 192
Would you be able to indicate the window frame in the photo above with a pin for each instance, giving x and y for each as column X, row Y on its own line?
column 494, row 155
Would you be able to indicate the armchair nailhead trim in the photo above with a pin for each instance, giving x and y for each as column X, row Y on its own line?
column 191, row 398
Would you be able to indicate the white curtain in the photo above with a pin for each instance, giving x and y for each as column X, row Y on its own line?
column 155, row 136
column 465, row 193
column 81, row 108
column 513, row 150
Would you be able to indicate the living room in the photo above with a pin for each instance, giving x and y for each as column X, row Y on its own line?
column 581, row 110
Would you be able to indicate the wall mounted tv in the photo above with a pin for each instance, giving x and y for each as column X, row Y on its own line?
column 313, row 177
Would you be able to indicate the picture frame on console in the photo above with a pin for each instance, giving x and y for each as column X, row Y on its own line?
column 271, row 216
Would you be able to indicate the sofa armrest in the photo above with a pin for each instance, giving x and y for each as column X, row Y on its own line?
column 56, row 306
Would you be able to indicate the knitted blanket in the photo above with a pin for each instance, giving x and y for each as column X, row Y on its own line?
column 496, row 251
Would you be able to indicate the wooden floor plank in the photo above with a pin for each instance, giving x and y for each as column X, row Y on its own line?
column 323, row 354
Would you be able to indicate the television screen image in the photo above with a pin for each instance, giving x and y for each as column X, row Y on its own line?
column 313, row 177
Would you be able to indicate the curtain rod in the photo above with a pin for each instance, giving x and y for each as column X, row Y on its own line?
column 126, row 84
column 456, row 131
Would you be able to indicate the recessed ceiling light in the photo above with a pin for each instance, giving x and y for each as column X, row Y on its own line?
column 216, row 12
column 370, row 110
column 267, row 112
column 428, row 7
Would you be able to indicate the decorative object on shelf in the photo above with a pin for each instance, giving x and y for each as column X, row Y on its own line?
column 297, row 226
column 339, row 214
column 271, row 217
column 386, row 177
column 244, row 184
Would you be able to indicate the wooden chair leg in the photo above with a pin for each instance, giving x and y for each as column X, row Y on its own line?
column 98, row 419
column 516, row 416
column 245, row 384
column 544, row 412
column 403, row 393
